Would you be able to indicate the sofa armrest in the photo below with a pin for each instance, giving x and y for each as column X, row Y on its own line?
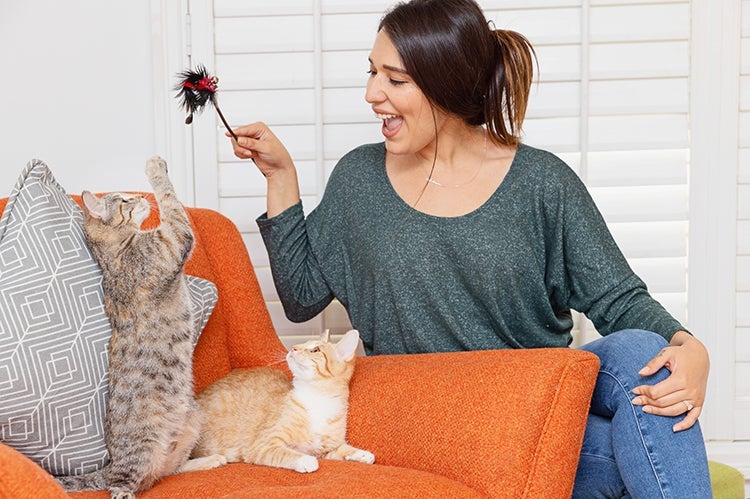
column 21, row 477
column 507, row 423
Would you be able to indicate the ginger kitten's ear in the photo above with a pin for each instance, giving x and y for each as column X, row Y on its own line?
column 346, row 348
column 325, row 336
column 92, row 207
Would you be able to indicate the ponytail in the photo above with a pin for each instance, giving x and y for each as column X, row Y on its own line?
column 508, row 88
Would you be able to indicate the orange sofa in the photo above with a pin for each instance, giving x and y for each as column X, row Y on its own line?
column 467, row 424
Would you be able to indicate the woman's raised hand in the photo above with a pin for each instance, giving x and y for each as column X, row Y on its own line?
column 258, row 142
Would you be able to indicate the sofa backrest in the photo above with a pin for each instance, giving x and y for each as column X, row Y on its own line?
column 240, row 332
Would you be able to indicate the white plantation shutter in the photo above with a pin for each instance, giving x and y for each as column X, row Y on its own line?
column 613, row 102
column 611, row 99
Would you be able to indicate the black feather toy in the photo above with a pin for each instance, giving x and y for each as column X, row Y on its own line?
column 196, row 89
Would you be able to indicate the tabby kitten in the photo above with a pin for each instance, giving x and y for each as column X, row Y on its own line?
column 152, row 419
column 260, row 416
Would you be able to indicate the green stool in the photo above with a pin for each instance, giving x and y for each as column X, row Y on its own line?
column 726, row 482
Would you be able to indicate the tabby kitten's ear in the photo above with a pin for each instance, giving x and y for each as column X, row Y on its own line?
column 347, row 346
column 92, row 207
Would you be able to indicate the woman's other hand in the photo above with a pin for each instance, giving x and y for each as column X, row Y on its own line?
column 684, row 391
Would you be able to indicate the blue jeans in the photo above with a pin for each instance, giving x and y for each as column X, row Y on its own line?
column 627, row 452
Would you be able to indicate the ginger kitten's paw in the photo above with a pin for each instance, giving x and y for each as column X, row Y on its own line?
column 155, row 166
column 361, row 456
column 306, row 464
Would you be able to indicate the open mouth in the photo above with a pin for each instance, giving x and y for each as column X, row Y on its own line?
column 391, row 123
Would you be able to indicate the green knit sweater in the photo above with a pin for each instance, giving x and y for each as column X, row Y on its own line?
column 503, row 276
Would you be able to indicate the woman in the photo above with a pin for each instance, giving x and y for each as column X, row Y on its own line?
column 453, row 235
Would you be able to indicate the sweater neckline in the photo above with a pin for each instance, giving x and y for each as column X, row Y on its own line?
column 504, row 185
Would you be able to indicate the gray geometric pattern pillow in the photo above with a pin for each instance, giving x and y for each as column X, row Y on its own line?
column 204, row 296
column 53, row 329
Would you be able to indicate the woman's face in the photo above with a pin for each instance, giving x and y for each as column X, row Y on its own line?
column 408, row 123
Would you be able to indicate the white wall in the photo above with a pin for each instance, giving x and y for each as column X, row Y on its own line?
column 76, row 90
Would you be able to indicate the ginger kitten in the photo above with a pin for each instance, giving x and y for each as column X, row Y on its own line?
column 260, row 416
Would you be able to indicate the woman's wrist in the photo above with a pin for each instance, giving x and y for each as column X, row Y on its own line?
column 681, row 337
column 283, row 191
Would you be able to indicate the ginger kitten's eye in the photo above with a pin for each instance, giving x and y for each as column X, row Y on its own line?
column 315, row 350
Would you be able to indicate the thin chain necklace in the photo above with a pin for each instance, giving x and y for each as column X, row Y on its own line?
column 430, row 179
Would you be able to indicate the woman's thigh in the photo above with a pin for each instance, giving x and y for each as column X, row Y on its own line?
column 652, row 460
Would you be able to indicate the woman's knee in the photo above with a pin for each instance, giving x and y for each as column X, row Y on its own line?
column 631, row 349
column 647, row 340
column 626, row 339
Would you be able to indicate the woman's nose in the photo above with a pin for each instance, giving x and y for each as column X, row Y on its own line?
column 374, row 93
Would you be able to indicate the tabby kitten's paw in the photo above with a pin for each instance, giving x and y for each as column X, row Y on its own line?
column 306, row 464
column 348, row 453
column 361, row 456
column 120, row 493
column 216, row 461
column 155, row 166
column 203, row 463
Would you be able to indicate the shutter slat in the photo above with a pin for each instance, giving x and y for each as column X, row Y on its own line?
column 265, row 71
column 541, row 26
column 642, row 203
column 640, row 22
column 264, row 34
column 275, row 107
column 639, row 60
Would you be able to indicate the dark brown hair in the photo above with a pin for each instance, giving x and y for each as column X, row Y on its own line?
column 463, row 66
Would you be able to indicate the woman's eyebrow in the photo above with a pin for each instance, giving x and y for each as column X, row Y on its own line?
column 391, row 68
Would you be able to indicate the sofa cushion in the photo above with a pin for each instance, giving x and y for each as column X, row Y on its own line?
column 332, row 479
column 53, row 329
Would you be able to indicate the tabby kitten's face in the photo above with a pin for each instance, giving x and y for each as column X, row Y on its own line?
column 117, row 209
column 320, row 358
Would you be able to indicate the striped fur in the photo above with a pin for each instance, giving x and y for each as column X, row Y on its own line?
column 260, row 416
column 152, row 419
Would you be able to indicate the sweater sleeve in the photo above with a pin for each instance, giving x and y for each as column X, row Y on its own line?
column 301, row 287
column 595, row 276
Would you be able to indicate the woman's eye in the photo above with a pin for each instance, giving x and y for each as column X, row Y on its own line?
column 397, row 82
column 371, row 72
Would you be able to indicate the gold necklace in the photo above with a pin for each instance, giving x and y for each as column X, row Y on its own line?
column 430, row 179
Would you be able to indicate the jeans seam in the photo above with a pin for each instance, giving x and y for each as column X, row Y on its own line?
column 640, row 432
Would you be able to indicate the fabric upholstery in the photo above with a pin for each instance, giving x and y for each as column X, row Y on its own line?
column 53, row 328
column 468, row 424
column 726, row 481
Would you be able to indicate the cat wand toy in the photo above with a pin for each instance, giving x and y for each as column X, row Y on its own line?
column 196, row 89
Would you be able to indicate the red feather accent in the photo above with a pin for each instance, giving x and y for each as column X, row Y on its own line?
column 196, row 89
